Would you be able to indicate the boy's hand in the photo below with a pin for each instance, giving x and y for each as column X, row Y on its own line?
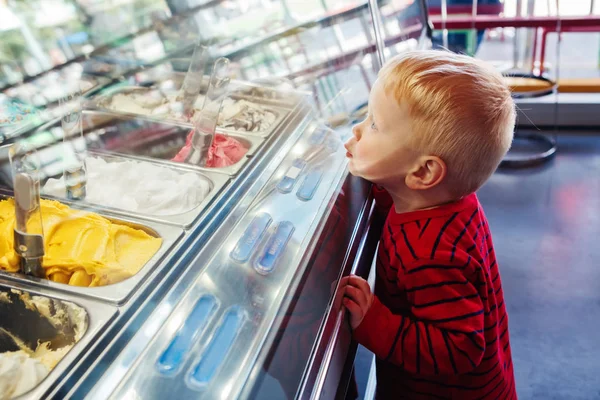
column 357, row 298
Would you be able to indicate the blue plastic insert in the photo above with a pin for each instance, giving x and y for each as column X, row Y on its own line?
column 218, row 348
column 291, row 176
column 173, row 357
column 251, row 237
column 310, row 185
column 275, row 247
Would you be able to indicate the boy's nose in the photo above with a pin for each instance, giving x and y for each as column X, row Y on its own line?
column 348, row 144
column 356, row 131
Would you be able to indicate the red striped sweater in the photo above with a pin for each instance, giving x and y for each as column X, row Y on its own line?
column 438, row 323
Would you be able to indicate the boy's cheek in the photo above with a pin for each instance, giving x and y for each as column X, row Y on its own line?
column 376, row 169
column 366, row 162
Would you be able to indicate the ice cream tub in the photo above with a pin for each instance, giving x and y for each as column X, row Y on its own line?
column 252, row 91
column 166, row 156
column 96, row 254
column 43, row 334
column 169, row 147
column 124, row 187
column 119, row 133
column 281, row 116
column 286, row 99
column 237, row 115
column 140, row 139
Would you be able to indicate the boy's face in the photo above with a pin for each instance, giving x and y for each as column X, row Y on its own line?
column 380, row 149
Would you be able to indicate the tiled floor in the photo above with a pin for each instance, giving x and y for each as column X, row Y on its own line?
column 546, row 227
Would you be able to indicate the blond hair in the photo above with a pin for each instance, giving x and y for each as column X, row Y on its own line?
column 461, row 111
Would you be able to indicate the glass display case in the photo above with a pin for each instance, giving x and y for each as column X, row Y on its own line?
column 195, row 202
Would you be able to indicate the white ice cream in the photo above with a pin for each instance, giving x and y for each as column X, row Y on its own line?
column 238, row 115
column 245, row 116
column 19, row 373
column 135, row 104
column 138, row 186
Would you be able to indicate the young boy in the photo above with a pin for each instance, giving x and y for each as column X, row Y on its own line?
column 437, row 128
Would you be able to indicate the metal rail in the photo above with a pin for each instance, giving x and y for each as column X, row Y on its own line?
column 488, row 21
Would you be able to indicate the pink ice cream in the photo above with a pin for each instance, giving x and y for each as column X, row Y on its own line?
column 225, row 151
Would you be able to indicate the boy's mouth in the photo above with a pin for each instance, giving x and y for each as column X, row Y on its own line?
column 348, row 154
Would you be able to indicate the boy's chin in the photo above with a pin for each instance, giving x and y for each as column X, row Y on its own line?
column 358, row 174
column 353, row 170
column 354, row 173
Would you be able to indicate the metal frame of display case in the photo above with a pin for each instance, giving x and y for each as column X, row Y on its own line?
column 136, row 310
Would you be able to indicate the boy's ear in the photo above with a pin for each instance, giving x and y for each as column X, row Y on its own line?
column 428, row 172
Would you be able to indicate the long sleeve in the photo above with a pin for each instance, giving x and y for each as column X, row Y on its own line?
column 444, row 333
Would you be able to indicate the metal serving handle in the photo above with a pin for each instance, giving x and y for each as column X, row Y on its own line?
column 192, row 82
column 205, row 122
column 28, row 231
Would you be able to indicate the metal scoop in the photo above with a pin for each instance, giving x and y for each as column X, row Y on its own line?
column 205, row 122
column 24, row 327
column 192, row 82
column 28, row 232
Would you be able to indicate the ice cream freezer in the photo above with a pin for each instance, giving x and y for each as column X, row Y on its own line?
column 254, row 266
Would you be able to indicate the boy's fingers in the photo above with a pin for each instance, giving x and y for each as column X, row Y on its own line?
column 357, row 295
column 360, row 283
column 352, row 307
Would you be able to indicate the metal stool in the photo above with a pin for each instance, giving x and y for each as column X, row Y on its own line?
column 530, row 148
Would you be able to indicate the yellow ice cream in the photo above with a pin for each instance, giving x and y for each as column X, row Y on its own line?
column 82, row 248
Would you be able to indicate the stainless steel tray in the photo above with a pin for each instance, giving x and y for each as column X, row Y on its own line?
column 119, row 292
column 99, row 315
column 95, row 120
column 253, row 144
column 291, row 100
column 282, row 115
column 217, row 183
column 96, row 129
column 288, row 99
column 99, row 102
